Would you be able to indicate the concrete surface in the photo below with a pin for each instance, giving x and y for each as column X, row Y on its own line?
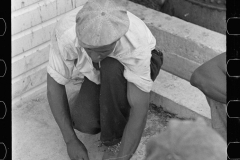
column 35, row 134
column 189, row 102
column 185, row 45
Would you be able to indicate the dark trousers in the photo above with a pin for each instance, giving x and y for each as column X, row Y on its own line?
column 104, row 108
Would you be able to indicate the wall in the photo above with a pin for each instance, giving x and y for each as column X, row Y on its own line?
column 32, row 23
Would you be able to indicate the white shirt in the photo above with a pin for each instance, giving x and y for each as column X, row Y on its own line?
column 133, row 50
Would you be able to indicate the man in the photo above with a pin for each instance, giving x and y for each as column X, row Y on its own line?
column 114, row 50
column 210, row 78
column 187, row 140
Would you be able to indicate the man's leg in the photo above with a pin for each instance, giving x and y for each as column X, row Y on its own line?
column 84, row 108
column 114, row 106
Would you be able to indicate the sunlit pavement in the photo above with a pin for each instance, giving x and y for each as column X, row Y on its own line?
column 35, row 134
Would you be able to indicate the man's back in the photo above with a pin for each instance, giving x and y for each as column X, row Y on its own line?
column 133, row 50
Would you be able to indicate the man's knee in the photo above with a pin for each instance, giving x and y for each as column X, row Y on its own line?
column 199, row 81
column 194, row 80
column 86, row 129
column 111, row 68
column 81, row 121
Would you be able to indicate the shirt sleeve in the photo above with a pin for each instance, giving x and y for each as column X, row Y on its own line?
column 61, row 61
column 137, row 45
column 137, row 69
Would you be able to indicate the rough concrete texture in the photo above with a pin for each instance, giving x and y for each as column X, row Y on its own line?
column 180, row 41
column 186, row 97
column 178, row 27
column 37, row 136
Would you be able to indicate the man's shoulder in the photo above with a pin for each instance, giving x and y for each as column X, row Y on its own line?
column 138, row 26
column 134, row 19
column 138, row 34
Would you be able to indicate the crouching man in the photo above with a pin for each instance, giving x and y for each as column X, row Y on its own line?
column 210, row 78
column 115, row 51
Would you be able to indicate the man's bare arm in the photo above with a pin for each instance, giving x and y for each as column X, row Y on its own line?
column 58, row 102
column 139, row 102
column 210, row 78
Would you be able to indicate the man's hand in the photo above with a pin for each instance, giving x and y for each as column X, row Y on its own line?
column 76, row 150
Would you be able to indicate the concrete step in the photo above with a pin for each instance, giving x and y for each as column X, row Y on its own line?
column 177, row 96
